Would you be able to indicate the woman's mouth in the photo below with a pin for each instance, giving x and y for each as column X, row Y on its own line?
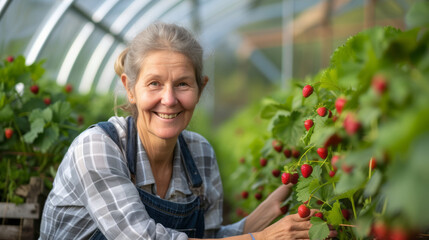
column 167, row 116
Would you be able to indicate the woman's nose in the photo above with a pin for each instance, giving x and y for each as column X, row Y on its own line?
column 169, row 96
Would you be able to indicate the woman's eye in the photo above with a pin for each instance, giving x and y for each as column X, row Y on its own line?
column 154, row 84
column 183, row 84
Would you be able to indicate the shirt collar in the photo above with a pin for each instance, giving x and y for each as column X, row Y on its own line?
column 144, row 176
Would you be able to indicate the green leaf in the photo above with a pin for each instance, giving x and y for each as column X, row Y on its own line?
column 6, row 114
column 36, row 128
column 373, row 184
column 48, row 138
column 319, row 229
column 417, row 15
column 61, row 111
column 350, row 182
column 334, row 216
column 329, row 79
column 47, row 114
column 288, row 128
column 303, row 189
column 270, row 107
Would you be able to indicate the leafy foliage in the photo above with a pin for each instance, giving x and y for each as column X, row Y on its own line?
column 382, row 73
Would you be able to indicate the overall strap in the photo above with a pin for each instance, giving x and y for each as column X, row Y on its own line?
column 190, row 167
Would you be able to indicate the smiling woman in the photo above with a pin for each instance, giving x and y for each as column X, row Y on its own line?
column 145, row 176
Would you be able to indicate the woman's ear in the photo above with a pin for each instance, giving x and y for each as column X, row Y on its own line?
column 124, row 80
column 204, row 83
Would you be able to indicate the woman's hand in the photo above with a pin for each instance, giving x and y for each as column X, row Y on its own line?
column 268, row 210
column 289, row 227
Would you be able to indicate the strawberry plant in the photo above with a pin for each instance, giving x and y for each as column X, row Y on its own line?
column 38, row 125
column 364, row 165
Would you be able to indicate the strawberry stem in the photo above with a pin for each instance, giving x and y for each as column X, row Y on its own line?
column 353, row 206
column 305, row 154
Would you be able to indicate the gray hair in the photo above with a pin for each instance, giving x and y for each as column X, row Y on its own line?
column 158, row 36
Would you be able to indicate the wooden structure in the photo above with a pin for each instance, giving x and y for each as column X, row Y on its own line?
column 26, row 215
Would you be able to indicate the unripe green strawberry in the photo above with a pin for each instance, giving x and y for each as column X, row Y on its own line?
column 308, row 124
column 303, row 211
column 306, row 170
column 307, row 91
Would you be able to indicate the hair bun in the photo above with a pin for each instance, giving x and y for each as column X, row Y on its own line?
column 120, row 62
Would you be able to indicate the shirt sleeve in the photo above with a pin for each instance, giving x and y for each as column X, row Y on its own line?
column 109, row 195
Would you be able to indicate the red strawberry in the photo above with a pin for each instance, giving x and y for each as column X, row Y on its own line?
column 284, row 209
column 277, row 145
column 80, row 120
column 275, row 172
column 351, row 124
column 379, row 84
column 323, row 153
column 34, row 89
column 319, row 215
column 346, row 168
column 322, row 111
column 330, row 114
column 294, row 179
column 263, row 162
column 308, row 124
column 303, row 211
column 10, row 59
column 8, row 132
column 307, row 91
column 334, row 161
column 334, row 118
column 339, row 104
column 320, row 202
column 239, row 212
column 47, row 101
column 286, row 178
column 295, row 153
column 306, row 170
column 244, row 194
column 346, row 213
column 372, row 163
column 332, row 173
column 242, row 160
column 380, row 230
column 333, row 141
column 68, row 88
column 399, row 234
column 287, row 153
column 258, row 196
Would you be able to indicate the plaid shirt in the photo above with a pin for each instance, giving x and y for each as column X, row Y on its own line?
column 92, row 189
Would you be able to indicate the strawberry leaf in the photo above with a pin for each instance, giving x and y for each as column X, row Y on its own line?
column 288, row 127
column 319, row 228
column 373, row 184
column 334, row 216
column 36, row 128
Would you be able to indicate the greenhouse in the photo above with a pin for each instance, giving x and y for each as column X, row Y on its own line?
column 279, row 119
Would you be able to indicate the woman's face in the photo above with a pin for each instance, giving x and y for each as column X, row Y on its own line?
column 165, row 94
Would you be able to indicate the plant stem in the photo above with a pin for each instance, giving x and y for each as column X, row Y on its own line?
column 353, row 206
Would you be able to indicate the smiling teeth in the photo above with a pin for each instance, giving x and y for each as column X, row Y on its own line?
column 167, row 116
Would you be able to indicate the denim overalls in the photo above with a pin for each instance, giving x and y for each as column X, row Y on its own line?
column 183, row 217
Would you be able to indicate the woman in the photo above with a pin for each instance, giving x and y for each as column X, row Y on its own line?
column 145, row 176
